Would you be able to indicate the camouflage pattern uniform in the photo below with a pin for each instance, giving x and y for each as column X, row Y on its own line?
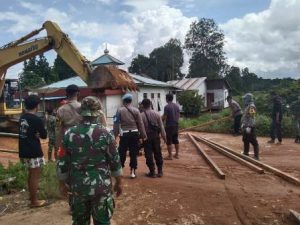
column 91, row 159
column 248, row 126
column 51, row 129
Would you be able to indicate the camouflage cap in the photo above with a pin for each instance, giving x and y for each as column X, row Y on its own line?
column 91, row 106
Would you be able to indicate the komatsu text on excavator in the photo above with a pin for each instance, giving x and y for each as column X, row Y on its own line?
column 101, row 77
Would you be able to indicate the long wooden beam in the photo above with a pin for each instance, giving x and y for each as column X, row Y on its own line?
column 4, row 134
column 265, row 166
column 205, row 124
column 230, row 155
column 9, row 151
column 210, row 162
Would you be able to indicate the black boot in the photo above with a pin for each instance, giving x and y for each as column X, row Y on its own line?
column 160, row 172
column 256, row 152
column 151, row 173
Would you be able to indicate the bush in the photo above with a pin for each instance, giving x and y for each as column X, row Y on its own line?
column 263, row 124
column 191, row 102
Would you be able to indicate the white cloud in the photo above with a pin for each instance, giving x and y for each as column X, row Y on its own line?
column 153, row 28
column 268, row 41
column 20, row 23
column 144, row 5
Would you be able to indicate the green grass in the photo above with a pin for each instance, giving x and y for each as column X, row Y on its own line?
column 48, row 188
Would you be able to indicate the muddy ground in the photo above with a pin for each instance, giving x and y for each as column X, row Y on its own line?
column 190, row 192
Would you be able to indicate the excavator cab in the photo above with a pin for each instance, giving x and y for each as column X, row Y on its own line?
column 10, row 99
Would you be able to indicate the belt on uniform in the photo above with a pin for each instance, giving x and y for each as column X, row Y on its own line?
column 130, row 131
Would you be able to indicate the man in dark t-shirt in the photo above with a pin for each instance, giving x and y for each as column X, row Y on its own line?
column 31, row 129
column 276, row 119
column 171, row 117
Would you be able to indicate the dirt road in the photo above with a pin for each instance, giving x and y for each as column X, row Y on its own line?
column 190, row 192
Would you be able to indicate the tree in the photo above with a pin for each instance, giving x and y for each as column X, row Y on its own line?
column 205, row 42
column 43, row 70
column 162, row 64
column 233, row 77
column 139, row 65
column 62, row 69
column 167, row 61
column 249, row 80
column 31, row 80
column 30, row 77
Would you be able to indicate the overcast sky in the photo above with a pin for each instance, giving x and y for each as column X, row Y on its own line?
column 263, row 35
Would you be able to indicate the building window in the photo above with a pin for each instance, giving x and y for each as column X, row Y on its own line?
column 145, row 95
column 152, row 95
column 158, row 95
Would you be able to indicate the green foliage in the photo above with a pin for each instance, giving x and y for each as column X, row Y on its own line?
column 37, row 73
column 62, row 69
column 205, row 42
column 31, row 80
column 48, row 187
column 263, row 124
column 49, row 182
column 163, row 63
column 43, row 69
column 191, row 102
column 233, row 77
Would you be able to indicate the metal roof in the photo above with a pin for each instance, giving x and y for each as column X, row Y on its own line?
column 148, row 81
column 188, row 83
column 107, row 59
column 65, row 83
column 139, row 80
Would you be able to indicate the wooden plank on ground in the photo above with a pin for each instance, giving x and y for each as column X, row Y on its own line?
column 295, row 215
column 230, row 155
column 210, row 162
column 9, row 151
column 265, row 166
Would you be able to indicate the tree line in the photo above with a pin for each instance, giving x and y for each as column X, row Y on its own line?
column 204, row 44
column 37, row 72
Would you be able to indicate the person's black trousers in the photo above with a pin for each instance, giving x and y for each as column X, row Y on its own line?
column 276, row 131
column 237, row 124
column 250, row 138
column 152, row 148
column 129, row 141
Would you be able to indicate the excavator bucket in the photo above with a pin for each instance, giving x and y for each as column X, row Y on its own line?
column 111, row 77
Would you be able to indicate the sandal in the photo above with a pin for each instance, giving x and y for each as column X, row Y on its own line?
column 41, row 203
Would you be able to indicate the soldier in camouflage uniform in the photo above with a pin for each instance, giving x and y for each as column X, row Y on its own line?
column 248, row 126
column 51, row 129
column 91, row 159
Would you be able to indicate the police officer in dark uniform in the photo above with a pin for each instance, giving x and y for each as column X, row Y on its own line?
column 129, row 126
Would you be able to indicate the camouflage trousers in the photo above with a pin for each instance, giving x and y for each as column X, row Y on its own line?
column 52, row 145
column 101, row 209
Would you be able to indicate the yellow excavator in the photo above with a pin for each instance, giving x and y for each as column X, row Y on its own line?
column 101, row 77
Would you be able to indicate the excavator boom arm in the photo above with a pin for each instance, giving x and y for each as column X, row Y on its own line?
column 19, row 50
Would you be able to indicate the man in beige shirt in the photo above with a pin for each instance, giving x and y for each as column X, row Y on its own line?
column 129, row 126
column 68, row 115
